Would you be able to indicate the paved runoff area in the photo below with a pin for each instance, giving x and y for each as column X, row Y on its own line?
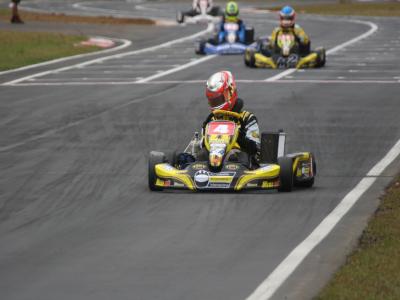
column 77, row 219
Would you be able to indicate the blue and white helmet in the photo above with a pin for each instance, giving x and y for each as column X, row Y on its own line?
column 287, row 17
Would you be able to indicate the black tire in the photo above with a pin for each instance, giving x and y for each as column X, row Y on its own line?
column 215, row 11
column 286, row 174
column 310, row 182
column 199, row 47
column 154, row 159
column 249, row 35
column 171, row 158
column 321, row 53
column 180, row 17
column 249, row 59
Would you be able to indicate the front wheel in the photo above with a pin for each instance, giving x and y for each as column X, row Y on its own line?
column 249, row 59
column 199, row 47
column 285, row 174
column 155, row 158
column 308, row 182
column 321, row 57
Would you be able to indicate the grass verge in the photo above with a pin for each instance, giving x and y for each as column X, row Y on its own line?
column 386, row 9
column 25, row 48
column 372, row 270
column 61, row 18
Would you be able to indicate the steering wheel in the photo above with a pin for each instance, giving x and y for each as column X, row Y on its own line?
column 227, row 113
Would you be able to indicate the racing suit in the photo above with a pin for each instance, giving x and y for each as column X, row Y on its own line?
column 248, row 140
column 249, row 134
column 300, row 35
column 241, row 33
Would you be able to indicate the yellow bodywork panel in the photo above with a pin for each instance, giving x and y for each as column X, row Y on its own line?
column 301, row 157
column 309, row 59
column 267, row 172
column 221, row 179
column 166, row 171
column 263, row 61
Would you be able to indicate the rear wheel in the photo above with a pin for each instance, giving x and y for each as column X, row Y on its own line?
column 199, row 47
column 154, row 159
column 321, row 57
column 171, row 158
column 216, row 11
column 286, row 174
column 179, row 17
column 249, row 35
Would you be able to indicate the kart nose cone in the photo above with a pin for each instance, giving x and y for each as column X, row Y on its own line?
column 216, row 156
column 231, row 38
column 215, row 160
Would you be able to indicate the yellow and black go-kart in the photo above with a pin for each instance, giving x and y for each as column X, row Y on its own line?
column 286, row 54
column 222, row 168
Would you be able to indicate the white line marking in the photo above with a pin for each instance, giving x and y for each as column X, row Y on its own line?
column 374, row 28
column 125, row 44
column 119, row 55
column 139, row 81
column 182, row 67
column 280, row 75
column 270, row 285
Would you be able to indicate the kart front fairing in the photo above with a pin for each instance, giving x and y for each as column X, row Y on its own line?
column 198, row 176
column 225, row 48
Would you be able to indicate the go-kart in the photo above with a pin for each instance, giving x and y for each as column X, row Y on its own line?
column 287, row 53
column 225, row 168
column 204, row 12
column 231, row 43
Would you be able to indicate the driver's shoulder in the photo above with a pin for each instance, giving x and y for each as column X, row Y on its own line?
column 247, row 116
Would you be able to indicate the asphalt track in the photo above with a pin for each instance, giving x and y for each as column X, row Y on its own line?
column 77, row 220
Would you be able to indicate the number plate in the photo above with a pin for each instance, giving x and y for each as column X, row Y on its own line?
column 222, row 128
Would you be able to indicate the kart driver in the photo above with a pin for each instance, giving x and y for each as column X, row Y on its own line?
column 221, row 93
column 15, row 18
column 196, row 8
column 287, row 23
column 231, row 16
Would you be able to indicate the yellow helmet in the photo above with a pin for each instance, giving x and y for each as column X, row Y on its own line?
column 231, row 11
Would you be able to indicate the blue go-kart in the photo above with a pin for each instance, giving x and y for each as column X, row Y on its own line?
column 233, row 38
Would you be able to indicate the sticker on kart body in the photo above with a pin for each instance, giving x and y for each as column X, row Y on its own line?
column 232, row 167
column 221, row 128
column 208, row 180
column 270, row 184
column 198, row 166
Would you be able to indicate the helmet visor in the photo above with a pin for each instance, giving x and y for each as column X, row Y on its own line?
column 217, row 101
column 287, row 17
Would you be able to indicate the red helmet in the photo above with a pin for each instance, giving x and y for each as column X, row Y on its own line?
column 221, row 91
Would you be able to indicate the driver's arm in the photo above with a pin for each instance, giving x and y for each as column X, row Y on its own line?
column 301, row 35
column 249, row 136
column 274, row 36
column 242, row 31
column 221, row 33
column 203, row 128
